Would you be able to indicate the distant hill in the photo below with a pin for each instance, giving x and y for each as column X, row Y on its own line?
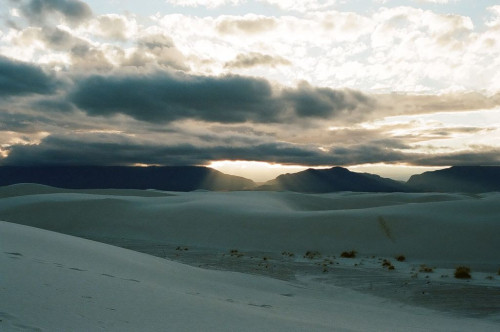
column 458, row 179
column 332, row 180
column 170, row 178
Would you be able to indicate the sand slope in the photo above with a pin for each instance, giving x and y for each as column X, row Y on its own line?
column 55, row 282
column 435, row 228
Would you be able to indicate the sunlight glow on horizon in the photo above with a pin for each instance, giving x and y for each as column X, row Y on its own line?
column 260, row 171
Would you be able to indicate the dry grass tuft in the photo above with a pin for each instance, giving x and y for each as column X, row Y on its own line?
column 426, row 269
column 312, row 254
column 348, row 254
column 462, row 272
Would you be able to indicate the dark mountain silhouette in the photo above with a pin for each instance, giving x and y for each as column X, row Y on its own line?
column 171, row 178
column 331, row 180
column 188, row 178
column 472, row 179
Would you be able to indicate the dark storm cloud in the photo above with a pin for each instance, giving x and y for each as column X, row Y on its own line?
column 115, row 150
column 253, row 59
column 371, row 152
column 393, row 151
column 53, row 105
column 168, row 97
column 19, row 78
column 73, row 10
column 309, row 101
column 480, row 155
column 118, row 150
column 14, row 122
column 165, row 97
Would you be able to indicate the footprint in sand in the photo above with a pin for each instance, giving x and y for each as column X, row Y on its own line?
column 76, row 269
column 112, row 276
column 260, row 305
column 14, row 255
column 108, row 275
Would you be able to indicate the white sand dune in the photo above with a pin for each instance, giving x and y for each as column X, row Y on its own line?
column 442, row 229
column 55, row 282
column 23, row 189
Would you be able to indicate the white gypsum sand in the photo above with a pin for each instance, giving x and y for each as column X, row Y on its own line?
column 263, row 228
column 56, row 282
column 446, row 229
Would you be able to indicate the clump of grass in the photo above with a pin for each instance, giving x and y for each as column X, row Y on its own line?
column 400, row 258
column 179, row 248
column 386, row 263
column 312, row 254
column 499, row 272
column 426, row 269
column 462, row 272
column 236, row 253
column 348, row 254
column 288, row 253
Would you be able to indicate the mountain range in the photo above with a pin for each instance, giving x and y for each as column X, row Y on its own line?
column 331, row 180
column 458, row 179
column 188, row 178
column 170, row 178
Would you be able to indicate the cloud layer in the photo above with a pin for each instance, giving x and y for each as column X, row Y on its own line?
column 166, row 97
column 18, row 78
column 307, row 83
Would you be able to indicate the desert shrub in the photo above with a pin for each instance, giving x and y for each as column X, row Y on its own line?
column 312, row 254
column 462, row 272
column 288, row 253
column 348, row 254
column 386, row 263
column 426, row 269
column 400, row 258
column 236, row 253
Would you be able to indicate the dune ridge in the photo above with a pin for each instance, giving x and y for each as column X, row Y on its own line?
column 447, row 228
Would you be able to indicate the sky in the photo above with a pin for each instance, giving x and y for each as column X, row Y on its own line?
column 251, row 87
